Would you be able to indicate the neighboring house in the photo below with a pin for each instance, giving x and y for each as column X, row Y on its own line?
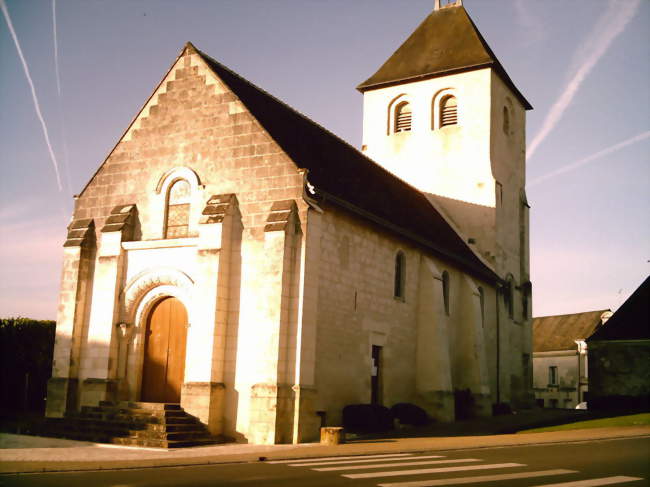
column 560, row 373
column 619, row 356
column 234, row 256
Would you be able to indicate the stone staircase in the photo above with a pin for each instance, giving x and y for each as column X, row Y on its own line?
column 148, row 424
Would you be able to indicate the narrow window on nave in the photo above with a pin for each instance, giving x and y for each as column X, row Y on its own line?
column 400, row 275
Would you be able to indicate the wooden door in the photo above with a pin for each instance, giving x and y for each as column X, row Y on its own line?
column 164, row 352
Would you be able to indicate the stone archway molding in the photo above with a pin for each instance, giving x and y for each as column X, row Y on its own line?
column 162, row 279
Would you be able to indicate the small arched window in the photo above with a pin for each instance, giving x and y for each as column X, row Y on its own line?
column 400, row 275
column 445, row 291
column 506, row 121
column 448, row 111
column 403, row 117
column 178, row 210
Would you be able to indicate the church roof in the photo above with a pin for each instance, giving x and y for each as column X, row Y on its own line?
column 344, row 176
column 446, row 42
column 631, row 321
column 552, row 333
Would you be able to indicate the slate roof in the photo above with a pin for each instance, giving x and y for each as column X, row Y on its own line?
column 631, row 321
column 344, row 176
column 447, row 41
column 551, row 333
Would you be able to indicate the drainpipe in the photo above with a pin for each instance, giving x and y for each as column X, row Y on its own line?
column 498, row 289
column 580, row 344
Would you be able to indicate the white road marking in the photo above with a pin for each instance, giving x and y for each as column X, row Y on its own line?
column 396, row 473
column 355, row 457
column 313, row 464
column 619, row 479
column 479, row 478
column 384, row 465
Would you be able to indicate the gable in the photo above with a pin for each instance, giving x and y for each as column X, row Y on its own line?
column 632, row 320
column 192, row 122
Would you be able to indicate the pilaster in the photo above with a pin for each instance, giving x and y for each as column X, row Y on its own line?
column 78, row 263
column 433, row 381
column 272, row 401
column 220, row 231
column 99, row 366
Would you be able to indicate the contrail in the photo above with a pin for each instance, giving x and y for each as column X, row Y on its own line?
column 3, row 6
column 66, row 161
column 56, row 49
column 588, row 159
column 615, row 18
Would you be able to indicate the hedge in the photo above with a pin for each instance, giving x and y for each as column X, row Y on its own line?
column 26, row 347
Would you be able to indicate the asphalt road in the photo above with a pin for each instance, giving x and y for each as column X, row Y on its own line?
column 607, row 462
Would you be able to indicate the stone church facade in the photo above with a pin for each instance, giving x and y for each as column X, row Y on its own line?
column 234, row 256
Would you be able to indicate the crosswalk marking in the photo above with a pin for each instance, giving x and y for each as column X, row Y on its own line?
column 619, row 479
column 396, row 473
column 479, row 478
column 354, row 457
column 314, row 464
column 404, row 464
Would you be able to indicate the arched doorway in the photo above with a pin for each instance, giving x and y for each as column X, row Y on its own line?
column 163, row 368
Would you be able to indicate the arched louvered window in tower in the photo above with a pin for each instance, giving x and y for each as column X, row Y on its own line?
column 448, row 111
column 178, row 210
column 403, row 117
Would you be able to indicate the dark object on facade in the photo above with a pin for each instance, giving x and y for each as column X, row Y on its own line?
column 464, row 404
column 408, row 413
column 367, row 418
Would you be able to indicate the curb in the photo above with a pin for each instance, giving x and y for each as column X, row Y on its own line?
column 418, row 445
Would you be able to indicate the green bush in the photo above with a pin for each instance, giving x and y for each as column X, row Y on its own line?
column 26, row 348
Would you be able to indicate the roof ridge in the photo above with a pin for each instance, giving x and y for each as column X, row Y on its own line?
column 317, row 124
column 572, row 314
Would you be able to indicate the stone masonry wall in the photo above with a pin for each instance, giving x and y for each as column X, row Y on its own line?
column 193, row 120
column 357, row 309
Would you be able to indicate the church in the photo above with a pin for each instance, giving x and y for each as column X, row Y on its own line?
column 235, row 257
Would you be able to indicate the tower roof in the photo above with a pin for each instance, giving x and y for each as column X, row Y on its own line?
column 446, row 42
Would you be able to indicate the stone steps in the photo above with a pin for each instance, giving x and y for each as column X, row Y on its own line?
column 161, row 425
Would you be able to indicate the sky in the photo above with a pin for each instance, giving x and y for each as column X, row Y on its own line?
column 583, row 64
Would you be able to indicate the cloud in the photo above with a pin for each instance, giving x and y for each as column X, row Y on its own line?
column 586, row 160
column 31, row 254
column 610, row 25
column 66, row 160
column 530, row 25
column 5, row 11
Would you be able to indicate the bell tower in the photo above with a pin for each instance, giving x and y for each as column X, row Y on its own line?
column 443, row 115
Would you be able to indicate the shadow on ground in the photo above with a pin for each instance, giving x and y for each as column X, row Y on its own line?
column 496, row 425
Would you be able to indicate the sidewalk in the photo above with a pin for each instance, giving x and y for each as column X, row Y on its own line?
column 23, row 454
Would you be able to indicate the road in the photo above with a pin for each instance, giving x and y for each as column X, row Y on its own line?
column 606, row 462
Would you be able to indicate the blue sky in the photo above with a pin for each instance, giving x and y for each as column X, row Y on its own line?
column 584, row 65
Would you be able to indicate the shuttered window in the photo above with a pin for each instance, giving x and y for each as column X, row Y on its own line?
column 448, row 111
column 403, row 117
column 178, row 210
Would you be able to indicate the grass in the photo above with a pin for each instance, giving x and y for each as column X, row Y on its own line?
column 629, row 420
